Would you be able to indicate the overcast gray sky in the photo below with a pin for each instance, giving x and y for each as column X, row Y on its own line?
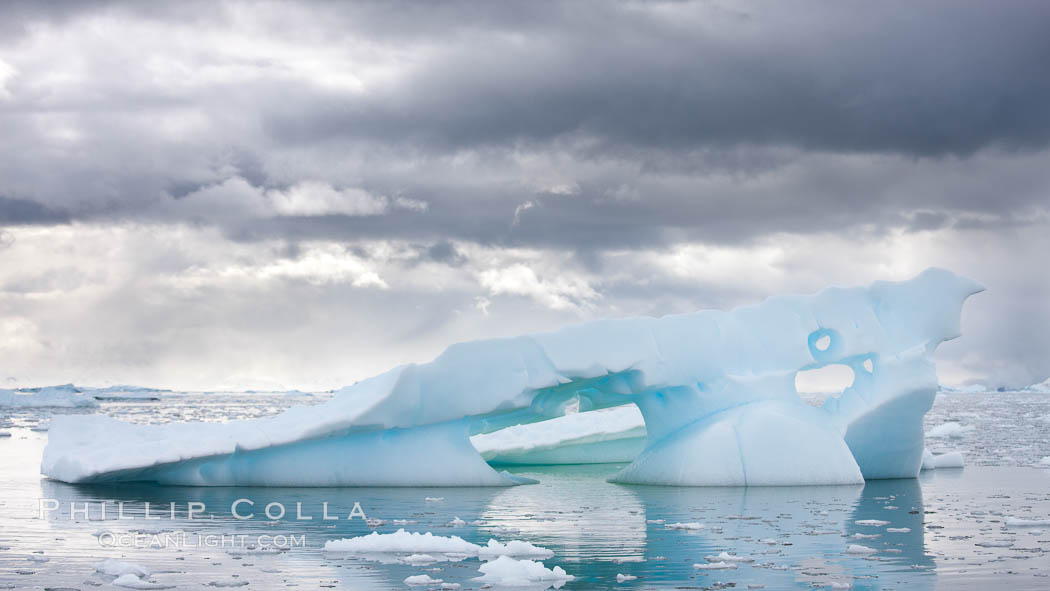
column 231, row 194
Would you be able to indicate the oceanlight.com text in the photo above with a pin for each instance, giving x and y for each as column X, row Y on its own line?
column 180, row 539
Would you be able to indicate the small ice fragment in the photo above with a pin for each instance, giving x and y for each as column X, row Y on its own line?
column 727, row 557
column 950, row 430
column 116, row 568
column 130, row 581
column 416, row 580
column 508, row 572
column 622, row 577
column 858, row 549
column 1022, row 522
column 872, row 522
column 688, row 526
column 434, row 499
column 898, row 530
column 418, row 559
column 715, row 566
column 457, row 522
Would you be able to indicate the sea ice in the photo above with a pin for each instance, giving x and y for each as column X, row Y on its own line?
column 716, row 390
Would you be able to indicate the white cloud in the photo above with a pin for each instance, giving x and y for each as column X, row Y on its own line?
column 312, row 198
column 7, row 72
column 520, row 210
column 558, row 293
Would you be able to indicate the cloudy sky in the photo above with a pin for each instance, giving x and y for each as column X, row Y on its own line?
column 228, row 194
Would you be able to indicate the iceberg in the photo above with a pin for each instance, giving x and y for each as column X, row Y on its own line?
column 1041, row 388
column 65, row 396
column 716, row 391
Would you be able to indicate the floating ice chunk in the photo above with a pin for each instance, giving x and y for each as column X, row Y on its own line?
column 620, row 577
column 713, row 385
column 952, row 459
column 687, row 526
column 727, row 557
column 130, row 581
column 715, row 566
column 402, row 541
column 858, row 549
column 513, row 548
column 898, row 530
column 508, row 572
column 839, row 585
column 457, row 522
column 419, row 543
column 1023, row 522
column 872, row 522
column 116, row 568
column 53, row 396
column 228, row 583
column 416, row 580
column 951, row 430
column 419, row 559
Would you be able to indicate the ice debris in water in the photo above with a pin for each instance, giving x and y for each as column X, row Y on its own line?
column 508, row 572
column 116, row 568
column 952, row 459
column 713, row 385
column 951, row 430
column 428, row 543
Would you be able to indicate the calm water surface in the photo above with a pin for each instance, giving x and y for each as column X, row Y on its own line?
column 949, row 528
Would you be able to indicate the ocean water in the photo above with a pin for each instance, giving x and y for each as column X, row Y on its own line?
column 947, row 530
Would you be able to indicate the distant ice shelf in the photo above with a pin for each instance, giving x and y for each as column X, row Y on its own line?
column 716, row 391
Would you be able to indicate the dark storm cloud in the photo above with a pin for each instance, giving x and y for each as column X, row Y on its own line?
column 922, row 79
column 22, row 211
column 646, row 99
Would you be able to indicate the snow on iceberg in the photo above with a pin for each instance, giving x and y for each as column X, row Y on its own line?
column 716, row 390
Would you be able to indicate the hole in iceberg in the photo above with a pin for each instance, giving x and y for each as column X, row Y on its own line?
column 816, row 385
column 823, row 343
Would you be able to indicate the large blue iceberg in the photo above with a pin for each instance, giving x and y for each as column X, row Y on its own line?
column 716, row 390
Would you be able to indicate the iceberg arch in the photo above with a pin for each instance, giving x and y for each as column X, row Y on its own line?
column 716, row 390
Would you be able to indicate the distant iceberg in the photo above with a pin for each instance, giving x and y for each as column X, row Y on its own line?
column 64, row 396
column 716, row 391
column 1042, row 387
